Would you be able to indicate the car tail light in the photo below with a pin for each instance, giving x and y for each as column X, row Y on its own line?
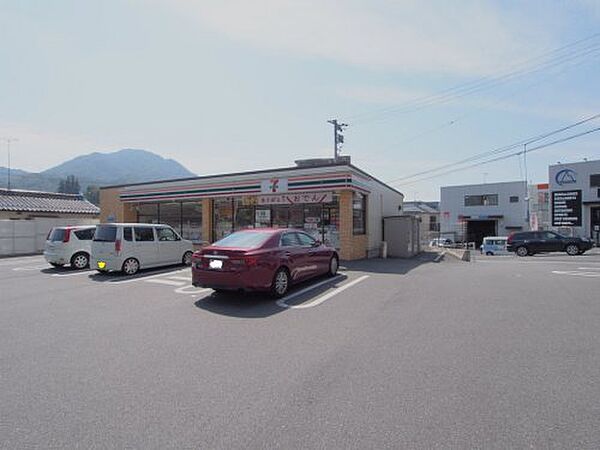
column 67, row 235
column 118, row 245
column 251, row 261
column 510, row 238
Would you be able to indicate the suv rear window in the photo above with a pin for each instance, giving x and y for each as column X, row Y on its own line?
column 105, row 233
column 85, row 235
column 57, row 235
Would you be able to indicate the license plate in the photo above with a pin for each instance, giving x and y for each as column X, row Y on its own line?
column 101, row 264
column 215, row 264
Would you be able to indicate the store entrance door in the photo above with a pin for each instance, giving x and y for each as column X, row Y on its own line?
column 595, row 224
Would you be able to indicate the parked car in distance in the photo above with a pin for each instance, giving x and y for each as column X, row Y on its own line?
column 441, row 242
column 69, row 245
column 129, row 247
column 262, row 260
column 532, row 242
column 494, row 245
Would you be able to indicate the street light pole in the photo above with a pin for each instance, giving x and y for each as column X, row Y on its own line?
column 8, row 142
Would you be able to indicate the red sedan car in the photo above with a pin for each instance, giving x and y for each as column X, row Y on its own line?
column 262, row 260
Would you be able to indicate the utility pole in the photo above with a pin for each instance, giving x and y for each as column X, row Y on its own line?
column 338, row 137
column 526, row 185
column 8, row 142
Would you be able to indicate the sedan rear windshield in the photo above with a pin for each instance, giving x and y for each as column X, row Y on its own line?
column 57, row 235
column 105, row 233
column 243, row 239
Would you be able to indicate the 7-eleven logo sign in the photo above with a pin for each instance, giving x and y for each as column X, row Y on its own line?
column 274, row 185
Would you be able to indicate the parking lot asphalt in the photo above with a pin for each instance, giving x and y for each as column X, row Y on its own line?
column 500, row 352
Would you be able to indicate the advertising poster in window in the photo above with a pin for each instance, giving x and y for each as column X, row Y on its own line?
column 566, row 208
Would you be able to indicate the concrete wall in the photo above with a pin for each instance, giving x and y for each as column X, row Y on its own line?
column 19, row 237
column 381, row 202
column 452, row 207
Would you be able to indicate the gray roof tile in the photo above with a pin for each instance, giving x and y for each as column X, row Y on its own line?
column 32, row 201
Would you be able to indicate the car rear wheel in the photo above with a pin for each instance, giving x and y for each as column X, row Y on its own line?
column 80, row 261
column 281, row 283
column 572, row 250
column 522, row 251
column 334, row 264
column 131, row 266
column 489, row 253
column 187, row 258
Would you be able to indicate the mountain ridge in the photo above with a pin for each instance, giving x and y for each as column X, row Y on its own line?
column 100, row 169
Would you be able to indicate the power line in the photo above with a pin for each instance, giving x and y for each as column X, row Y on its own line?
column 511, row 155
column 503, row 149
column 487, row 82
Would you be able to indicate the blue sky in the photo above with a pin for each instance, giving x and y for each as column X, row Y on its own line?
column 235, row 85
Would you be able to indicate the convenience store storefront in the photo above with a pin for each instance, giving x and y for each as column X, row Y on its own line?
column 336, row 203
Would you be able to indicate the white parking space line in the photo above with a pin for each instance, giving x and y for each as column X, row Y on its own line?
column 322, row 298
column 192, row 290
column 577, row 273
column 188, row 279
column 74, row 274
column 588, row 268
column 139, row 279
column 165, row 281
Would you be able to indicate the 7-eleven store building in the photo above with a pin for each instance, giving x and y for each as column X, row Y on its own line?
column 338, row 204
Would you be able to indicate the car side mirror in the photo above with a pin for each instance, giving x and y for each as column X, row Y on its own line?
column 317, row 243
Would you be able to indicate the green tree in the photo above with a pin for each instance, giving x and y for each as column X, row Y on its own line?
column 69, row 185
column 92, row 194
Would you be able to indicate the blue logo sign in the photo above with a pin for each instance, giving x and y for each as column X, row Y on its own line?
column 566, row 176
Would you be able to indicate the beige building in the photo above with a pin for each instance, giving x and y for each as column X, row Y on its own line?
column 428, row 214
column 335, row 202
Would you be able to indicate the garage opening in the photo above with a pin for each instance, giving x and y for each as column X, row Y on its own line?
column 478, row 229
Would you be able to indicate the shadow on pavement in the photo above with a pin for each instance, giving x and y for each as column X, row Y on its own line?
column 398, row 266
column 256, row 305
column 116, row 277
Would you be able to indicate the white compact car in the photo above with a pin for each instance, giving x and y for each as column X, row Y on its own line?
column 129, row 247
column 69, row 245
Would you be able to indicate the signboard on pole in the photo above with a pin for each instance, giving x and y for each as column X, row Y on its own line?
column 566, row 208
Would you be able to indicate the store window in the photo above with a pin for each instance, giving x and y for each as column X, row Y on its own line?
column 359, row 216
column 514, row 199
column 170, row 214
column 183, row 217
column 147, row 213
column 319, row 220
column 191, row 221
column 222, row 217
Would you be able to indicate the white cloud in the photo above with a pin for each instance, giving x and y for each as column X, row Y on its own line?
column 470, row 38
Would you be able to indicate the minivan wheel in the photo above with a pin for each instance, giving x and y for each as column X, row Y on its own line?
column 334, row 264
column 80, row 261
column 489, row 253
column 187, row 258
column 572, row 250
column 131, row 266
column 281, row 283
column 522, row 251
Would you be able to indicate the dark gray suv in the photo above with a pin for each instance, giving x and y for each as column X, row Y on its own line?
column 532, row 242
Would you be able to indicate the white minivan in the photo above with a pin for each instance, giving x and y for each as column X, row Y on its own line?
column 69, row 245
column 494, row 245
column 129, row 247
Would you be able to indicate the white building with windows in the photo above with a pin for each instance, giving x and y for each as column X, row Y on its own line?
column 471, row 212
